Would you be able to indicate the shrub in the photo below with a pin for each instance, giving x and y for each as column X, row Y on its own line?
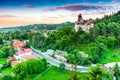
column 29, row 67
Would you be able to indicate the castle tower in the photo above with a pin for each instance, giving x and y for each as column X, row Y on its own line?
column 78, row 23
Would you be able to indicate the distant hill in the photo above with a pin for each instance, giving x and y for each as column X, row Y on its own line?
column 38, row 27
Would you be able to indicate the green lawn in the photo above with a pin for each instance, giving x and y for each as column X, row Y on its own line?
column 55, row 73
column 112, row 55
column 3, row 60
column 110, row 60
column 33, row 76
column 6, row 71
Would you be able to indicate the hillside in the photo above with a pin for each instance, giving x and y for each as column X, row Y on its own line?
column 97, row 43
column 108, row 25
column 38, row 27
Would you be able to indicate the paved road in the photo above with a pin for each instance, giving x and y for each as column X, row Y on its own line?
column 56, row 62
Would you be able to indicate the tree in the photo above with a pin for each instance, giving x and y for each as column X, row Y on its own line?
column 12, row 50
column 117, row 71
column 96, row 73
column 62, row 66
column 101, row 39
column 6, row 77
column 74, row 57
column 1, row 40
column 74, row 75
column 4, row 53
column 96, row 51
column 27, row 45
column 29, row 67
column 111, row 42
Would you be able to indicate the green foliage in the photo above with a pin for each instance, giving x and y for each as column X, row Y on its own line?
column 4, row 52
column 97, row 73
column 1, row 40
column 37, row 40
column 117, row 71
column 96, row 51
column 74, row 57
column 12, row 51
column 6, row 65
column 29, row 67
column 7, row 77
column 27, row 45
column 111, row 42
column 101, row 39
column 62, row 66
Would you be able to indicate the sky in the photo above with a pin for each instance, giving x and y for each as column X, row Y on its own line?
column 26, row 12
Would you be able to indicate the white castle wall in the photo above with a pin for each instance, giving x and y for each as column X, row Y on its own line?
column 84, row 27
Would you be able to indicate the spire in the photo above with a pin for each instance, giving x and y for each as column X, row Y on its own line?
column 79, row 18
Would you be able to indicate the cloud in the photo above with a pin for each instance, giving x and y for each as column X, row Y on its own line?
column 28, row 6
column 75, row 7
column 5, row 16
column 47, row 8
column 115, row 0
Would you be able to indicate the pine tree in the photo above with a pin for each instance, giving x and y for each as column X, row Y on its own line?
column 12, row 51
column 117, row 71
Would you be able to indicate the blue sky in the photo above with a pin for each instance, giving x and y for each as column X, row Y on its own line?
column 41, row 3
column 25, row 12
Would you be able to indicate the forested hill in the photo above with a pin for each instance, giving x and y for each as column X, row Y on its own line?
column 38, row 27
column 111, row 18
column 108, row 25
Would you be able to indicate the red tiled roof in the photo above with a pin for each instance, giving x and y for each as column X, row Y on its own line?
column 20, row 52
column 18, row 43
column 28, row 50
column 29, row 56
column 11, row 59
column 24, row 51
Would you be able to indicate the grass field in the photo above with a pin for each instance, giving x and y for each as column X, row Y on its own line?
column 3, row 60
column 55, row 73
column 110, row 60
column 6, row 71
column 112, row 55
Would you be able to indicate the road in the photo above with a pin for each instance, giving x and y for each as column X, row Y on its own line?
column 56, row 62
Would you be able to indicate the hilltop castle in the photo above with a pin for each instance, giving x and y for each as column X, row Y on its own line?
column 85, row 25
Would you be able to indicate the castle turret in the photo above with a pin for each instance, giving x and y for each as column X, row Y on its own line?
column 85, row 25
column 80, row 19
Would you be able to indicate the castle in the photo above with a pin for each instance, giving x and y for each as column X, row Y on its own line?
column 85, row 25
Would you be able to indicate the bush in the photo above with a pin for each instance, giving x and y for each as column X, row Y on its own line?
column 6, row 65
column 29, row 67
column 7, row 77
column 62, row 66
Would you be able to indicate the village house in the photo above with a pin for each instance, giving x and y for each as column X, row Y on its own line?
column 85, row 25
column 18, row 45
column 24, row 52
column 58, row 54
column 22, row 55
